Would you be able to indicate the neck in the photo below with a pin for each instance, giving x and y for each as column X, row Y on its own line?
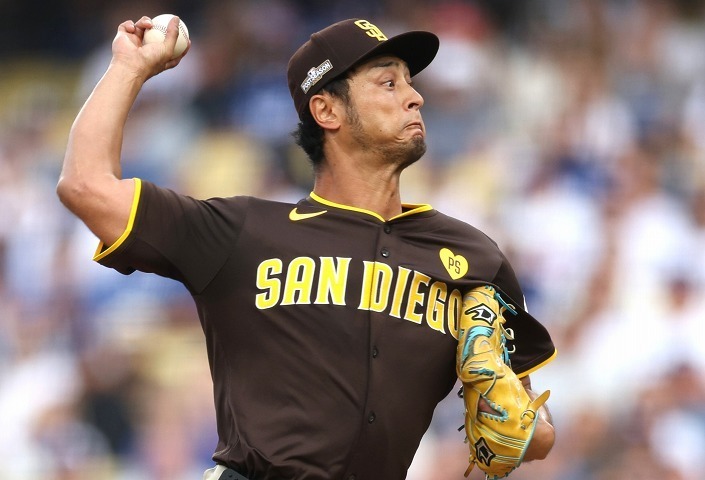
column 371, row 188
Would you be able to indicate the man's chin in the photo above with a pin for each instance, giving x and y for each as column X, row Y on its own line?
column 417, row 150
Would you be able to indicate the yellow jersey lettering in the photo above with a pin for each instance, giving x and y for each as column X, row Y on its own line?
column 332, row 280
column 366, row 290
column 265, row 281
column 381, row 286
column 376, row 285
column 416, row 297
column 299, row 278
column 455, row 306
column 436, row 308
column 399, row 291
column 404, row 293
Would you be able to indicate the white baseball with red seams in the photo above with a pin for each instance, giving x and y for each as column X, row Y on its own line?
column 157, row 33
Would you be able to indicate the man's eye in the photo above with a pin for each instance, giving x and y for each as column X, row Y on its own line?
column 389, row 83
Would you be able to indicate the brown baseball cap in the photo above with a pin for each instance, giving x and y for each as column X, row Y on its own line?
column 333, row 50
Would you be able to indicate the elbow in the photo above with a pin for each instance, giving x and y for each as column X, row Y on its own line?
column 70, row 191
column 80, row 194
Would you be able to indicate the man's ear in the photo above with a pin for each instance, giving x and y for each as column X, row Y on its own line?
column 324, row 112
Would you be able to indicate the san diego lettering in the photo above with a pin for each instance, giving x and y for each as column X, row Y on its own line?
column 402, row 293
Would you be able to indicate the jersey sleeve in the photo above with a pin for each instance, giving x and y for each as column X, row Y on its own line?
column 176, row 236
column 532, row 347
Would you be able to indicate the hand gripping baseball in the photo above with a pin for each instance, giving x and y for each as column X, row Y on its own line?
column 152, row 58
column 498, row 436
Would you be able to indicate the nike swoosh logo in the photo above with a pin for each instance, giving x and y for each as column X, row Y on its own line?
column 295, row 216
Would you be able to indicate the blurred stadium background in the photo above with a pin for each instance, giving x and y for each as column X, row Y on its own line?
column 572, row 132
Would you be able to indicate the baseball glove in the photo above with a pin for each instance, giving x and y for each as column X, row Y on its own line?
column 497, row 440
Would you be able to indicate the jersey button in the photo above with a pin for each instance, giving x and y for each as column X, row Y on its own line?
column 385, row 252
column 387, row 229
column 352, row 477
column 371, row 417
column 375, row 352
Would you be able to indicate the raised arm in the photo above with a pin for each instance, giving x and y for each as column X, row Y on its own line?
column 91, row 183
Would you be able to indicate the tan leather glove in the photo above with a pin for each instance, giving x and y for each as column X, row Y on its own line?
column 497, row 440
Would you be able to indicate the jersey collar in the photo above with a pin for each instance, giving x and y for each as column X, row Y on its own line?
column 408, row 209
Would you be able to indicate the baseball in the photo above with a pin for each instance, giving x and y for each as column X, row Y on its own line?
column 157, row 33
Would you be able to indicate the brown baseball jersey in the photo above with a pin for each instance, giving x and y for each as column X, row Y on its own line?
column 331, row 332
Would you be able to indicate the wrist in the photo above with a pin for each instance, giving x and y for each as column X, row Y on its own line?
column 125, row 71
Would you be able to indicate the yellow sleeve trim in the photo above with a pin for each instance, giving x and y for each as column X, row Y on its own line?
column 101, row 252
column 412, row 208
column 542, row 364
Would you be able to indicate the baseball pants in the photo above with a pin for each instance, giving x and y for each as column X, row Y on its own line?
column 220, row 472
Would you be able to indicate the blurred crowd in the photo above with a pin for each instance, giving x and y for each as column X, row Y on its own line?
column 573, row 133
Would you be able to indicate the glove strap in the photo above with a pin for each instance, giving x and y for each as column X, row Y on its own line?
column 529, row 416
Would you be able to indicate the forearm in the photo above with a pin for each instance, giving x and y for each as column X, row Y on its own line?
column 95, row 140
column 90, row 184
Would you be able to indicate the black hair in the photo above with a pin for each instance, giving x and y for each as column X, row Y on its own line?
column 309, row 135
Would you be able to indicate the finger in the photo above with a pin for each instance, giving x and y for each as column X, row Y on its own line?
column 172, row 33
column 172, row 63
column 144, row 23
column 127, row 26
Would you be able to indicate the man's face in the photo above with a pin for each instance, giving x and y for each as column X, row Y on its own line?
column 384, row 112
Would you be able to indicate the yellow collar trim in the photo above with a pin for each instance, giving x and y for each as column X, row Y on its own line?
column 411, row 208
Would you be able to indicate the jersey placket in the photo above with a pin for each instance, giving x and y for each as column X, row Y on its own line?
column 371, row 438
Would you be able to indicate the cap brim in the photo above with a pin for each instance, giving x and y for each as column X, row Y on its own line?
column 416, row 48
